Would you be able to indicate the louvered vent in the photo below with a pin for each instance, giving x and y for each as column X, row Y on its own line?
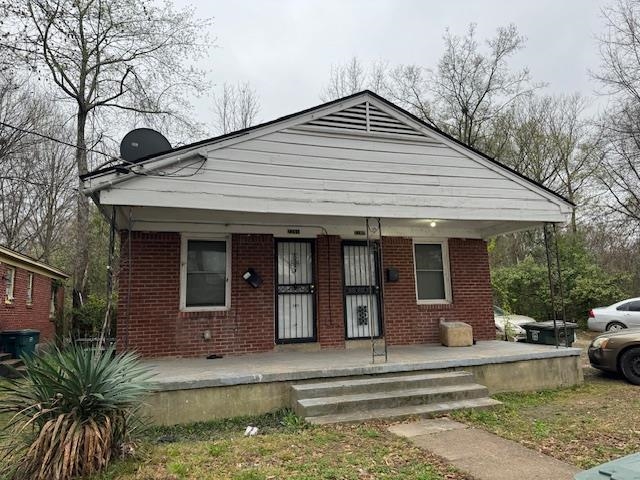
column 364, row 118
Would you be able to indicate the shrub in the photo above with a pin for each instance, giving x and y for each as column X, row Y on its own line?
column 89, row 317
column 72, row 411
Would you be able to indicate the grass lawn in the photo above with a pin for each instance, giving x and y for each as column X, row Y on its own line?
column 584, row 425
column 284, row 448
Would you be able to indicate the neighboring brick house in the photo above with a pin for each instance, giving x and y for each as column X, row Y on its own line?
column 32, row 294
column 258, row 238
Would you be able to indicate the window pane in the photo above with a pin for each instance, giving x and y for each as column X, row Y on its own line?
column 206, row 273
column 634, row 306
column 430, row 285
column 429, row 256
column 204, row 290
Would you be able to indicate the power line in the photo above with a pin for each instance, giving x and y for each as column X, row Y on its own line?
column 57, row 140
column 128, row 165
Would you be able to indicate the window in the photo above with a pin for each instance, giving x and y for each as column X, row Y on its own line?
column 630, row 306
column 52, row 303
column 9, row 278
column 432, row 272
column 205, row 264
column 633, row 306
column 29, row 288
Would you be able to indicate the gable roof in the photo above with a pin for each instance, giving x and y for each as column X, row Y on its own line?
column 16, row 259
column 302, row 115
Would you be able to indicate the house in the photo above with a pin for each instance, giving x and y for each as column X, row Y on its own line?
column 33, row 294
column 350, row 220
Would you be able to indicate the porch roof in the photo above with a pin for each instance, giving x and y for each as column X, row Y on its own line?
column 360, row 156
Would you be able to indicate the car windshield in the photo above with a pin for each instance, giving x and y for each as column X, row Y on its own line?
column 497, row 311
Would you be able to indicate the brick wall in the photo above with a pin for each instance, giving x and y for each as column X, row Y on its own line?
column 154, row 326
column 407, row 322
column 18, row 314
column 329, row 287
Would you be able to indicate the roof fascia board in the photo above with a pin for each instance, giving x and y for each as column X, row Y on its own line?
column 15, row 259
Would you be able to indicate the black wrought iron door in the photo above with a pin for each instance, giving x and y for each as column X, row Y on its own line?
column 361, row 290
column 295, row 291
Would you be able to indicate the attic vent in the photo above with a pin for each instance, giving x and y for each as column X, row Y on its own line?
column 365, row 118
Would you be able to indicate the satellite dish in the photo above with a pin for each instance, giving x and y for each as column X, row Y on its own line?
column 141, row 143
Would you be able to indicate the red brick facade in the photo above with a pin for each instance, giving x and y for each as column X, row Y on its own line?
column 153, row 324
column 407, row 322
column 18, row 314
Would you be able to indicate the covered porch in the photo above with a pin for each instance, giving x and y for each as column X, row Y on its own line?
column 191, row 390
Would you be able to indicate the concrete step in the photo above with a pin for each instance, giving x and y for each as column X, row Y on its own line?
column 11, row 368
column 4, row 356
column 312, row 407
column 406, row 411
column 348, row 386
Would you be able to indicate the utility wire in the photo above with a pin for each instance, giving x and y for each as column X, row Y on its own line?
column 57, row 140
column 112, row 157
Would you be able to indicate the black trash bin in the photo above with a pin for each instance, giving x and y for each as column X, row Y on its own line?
column 544, row 334
column 19, row 342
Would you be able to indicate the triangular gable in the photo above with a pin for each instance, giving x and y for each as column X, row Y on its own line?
column 363, row 115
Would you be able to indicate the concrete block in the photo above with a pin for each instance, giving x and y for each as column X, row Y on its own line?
column 456, row 334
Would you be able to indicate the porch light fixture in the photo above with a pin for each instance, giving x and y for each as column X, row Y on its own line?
column 252, row 278
column 432, row 224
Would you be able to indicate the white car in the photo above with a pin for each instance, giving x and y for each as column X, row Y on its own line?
column 511, row 323
column 624, row 314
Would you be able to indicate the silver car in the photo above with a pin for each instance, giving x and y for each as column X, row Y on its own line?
column 624, row 314
column 510, row 324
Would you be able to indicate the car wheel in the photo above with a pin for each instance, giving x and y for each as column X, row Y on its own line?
column 615, row 327
column 630, row 365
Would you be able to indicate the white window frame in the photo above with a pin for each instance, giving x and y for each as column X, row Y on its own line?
column 183, row 273
column 29, row 298
column 52, row 303
column 9, row 293
column 444, row 245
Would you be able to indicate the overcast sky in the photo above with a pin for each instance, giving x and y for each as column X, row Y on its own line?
column 285, row 48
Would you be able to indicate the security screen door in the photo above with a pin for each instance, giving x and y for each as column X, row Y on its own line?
column 295, row 292
column 361, row 303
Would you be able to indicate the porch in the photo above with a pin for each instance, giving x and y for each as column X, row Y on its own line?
column 191, row 390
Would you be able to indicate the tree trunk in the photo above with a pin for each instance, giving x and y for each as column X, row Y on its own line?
column 82, row 218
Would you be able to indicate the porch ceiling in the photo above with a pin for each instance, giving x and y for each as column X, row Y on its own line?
column 217, row 221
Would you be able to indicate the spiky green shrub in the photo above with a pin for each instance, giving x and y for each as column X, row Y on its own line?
column 72, row 411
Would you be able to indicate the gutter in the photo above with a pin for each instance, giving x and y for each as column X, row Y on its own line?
column 137, row 169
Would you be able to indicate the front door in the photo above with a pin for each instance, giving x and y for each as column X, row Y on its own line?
column 295, row 292
column 361, row 290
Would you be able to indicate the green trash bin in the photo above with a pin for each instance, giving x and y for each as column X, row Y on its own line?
column 19, row 342
column 625, row 468
column 543, row 332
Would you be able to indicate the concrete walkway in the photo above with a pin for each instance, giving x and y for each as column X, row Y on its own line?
column 481, row 454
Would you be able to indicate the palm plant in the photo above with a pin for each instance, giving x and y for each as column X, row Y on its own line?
column 72, row 411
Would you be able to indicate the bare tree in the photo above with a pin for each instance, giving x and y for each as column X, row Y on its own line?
column 235, row 108
column 619, row 76
column 469, row 91
column 127, row 55
column 353, row 77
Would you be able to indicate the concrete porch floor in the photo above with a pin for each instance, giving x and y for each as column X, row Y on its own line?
column 293, row 366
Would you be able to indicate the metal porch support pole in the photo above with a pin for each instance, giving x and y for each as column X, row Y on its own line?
column 551, row 289
column 383, row 331
column 377, row 259
column 560, row 286
column 370, row 290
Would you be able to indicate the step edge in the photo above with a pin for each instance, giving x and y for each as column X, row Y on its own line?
column 366, row 381
column 306, row 402
column 394, row 412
